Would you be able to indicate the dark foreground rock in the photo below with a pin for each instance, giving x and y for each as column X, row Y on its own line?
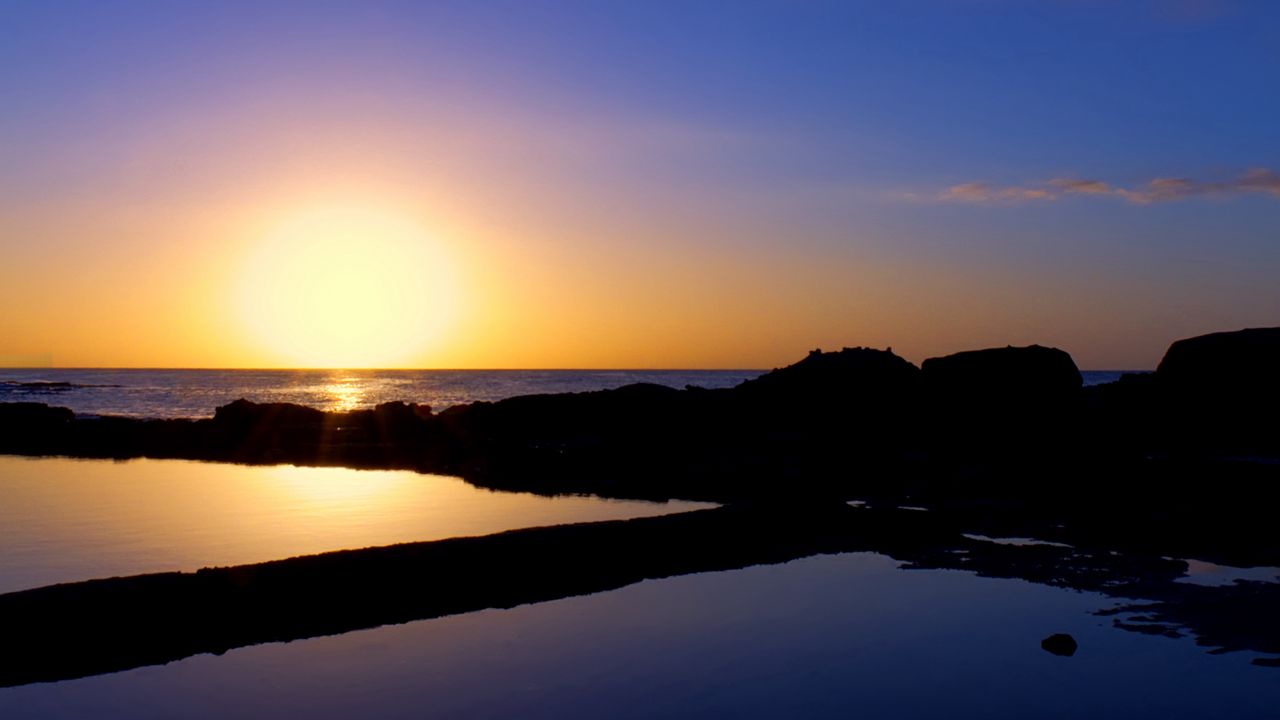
column 1060, row 644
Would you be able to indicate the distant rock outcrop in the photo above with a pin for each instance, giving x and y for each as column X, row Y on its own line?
column 859, row 375
column 1024, row 375
column 34, row 427
column 858, row 419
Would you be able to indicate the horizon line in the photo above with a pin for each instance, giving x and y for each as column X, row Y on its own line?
column 457, row 369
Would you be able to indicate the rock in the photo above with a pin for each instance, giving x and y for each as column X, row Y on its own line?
column 1060, row 644
column 1244, row 361
column 1024, row 374
column 246, row 415
column 29, row 413
column 33, row 427
column 1220, row 390
column 861, row 375
column 1003, row 403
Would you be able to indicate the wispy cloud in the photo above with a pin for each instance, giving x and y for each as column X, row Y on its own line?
column 1156, row 190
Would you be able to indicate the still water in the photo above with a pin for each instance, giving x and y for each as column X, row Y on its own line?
column 825, row 637
column 848, row 635
column 64, row 520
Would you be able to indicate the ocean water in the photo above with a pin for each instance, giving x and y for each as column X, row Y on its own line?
column 197, row 393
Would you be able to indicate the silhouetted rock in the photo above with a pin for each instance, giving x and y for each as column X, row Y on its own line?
column 832, row 414
column 1227, row 363
column 1022, row 375
column 1219, row 392
column 1002, row 403
column 248, row 415
column 860, row 375
column 1060, row 644
column 16, row 416
column 36, row 428
column 975, row 426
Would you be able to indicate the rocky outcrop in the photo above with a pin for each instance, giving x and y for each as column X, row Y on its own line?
column 1015, row 401
column 1222, row 391
column 34, row 428
column 1025, row 376
column 858, row 420
column 1225, row 364
column 852, row 375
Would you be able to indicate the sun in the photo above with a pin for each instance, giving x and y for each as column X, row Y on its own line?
column 347, row 287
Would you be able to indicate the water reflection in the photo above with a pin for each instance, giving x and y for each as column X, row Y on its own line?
column 64, row 520
column 1200, row 572
column 345, row 393
column 89, row 628
column 838, row 636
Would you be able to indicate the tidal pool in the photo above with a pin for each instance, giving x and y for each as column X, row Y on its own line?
column 855, row 634
column 63, row 520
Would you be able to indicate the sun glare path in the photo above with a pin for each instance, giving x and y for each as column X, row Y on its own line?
column 345, row 394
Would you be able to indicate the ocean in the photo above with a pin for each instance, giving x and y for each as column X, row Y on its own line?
column 197, row 393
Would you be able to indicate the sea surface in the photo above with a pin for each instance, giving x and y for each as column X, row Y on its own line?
column 197, row 393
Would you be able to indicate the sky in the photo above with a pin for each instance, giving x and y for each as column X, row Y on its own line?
column 643, row 185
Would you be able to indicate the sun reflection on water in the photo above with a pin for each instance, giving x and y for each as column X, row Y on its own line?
column 336, row 491
column 345, row 394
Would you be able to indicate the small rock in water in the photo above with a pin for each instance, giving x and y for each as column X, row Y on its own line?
column 1060, row 644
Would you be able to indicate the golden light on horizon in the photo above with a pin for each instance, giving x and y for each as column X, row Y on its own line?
column 347, row 287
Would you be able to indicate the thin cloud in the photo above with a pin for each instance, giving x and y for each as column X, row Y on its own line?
column 984, row 193
column 1157, row 190
column 1067, row 186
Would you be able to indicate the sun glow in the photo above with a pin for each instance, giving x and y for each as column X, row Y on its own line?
column 348, row 287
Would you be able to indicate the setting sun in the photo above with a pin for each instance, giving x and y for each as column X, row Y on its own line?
column 347, row 287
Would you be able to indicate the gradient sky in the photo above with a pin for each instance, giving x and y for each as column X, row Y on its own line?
column 633, row 184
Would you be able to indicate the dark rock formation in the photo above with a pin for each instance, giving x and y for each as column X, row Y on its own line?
column 1225, row 364
column 853, row 376
column 1060, row 644
column 1002, row 404
column 1029, row 377
column 33, row 428
column 1222, row 391
column 995, row 423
